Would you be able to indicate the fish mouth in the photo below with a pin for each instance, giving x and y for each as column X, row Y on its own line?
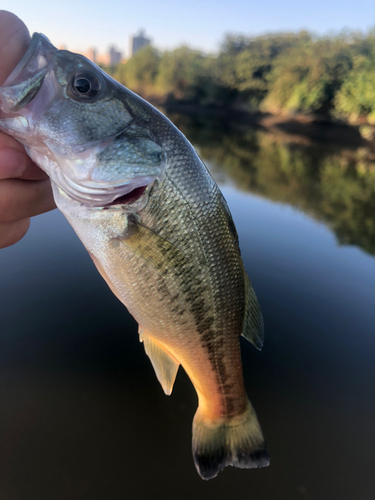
column 128, row 198
column 104, row 194
column 39, row 53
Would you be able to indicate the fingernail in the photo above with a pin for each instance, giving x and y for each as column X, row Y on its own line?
column 12, row 163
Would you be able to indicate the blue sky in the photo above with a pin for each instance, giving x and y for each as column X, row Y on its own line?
column 199, row 23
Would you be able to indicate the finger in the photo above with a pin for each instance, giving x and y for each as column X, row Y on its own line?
column 14, row 162
column 11, row 232
column 14, row 40
column 20, row 199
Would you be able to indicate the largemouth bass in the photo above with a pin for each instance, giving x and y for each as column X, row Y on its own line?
column 157, row 228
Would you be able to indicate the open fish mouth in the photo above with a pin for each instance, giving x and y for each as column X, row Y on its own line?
column 129, row 197
column 103, row 194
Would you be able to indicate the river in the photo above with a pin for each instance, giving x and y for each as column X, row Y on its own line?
column 82, row 415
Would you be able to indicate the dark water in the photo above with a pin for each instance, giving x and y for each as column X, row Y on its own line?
column 82, row 414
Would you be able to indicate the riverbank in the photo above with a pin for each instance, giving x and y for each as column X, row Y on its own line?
column 296, row 128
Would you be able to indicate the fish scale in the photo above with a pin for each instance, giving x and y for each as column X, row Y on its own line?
column 157, row 228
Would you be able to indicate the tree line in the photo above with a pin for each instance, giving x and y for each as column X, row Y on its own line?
column 277, row 73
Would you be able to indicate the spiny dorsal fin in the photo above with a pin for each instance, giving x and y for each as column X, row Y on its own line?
column 164, row 364
column 253, row 327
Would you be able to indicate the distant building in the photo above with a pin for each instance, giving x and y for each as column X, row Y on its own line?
column 137, row 42
column 110, row 58
column 92, row 54
column 114, row 56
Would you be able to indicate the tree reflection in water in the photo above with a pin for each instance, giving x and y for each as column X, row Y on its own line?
column 332, row 184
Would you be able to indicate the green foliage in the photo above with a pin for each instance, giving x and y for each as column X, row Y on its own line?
column 357, row 94
column 307, row 77
column 181, row 73
column 282, row 72
column 140, row 72
column 244, row 64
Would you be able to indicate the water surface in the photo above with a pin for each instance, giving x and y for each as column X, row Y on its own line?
column 82, row 415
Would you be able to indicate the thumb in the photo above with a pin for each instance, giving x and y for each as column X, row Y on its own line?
column 14, row 40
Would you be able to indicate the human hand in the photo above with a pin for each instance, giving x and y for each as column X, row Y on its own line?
column 25, row 189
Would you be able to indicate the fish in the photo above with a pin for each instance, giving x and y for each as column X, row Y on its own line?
column 158, row 229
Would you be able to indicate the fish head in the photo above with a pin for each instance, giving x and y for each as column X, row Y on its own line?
column 90, row 134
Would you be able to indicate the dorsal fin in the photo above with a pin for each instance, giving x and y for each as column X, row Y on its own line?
column 164, row 363
column 253, row 327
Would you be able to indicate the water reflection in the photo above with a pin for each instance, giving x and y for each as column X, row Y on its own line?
column 82, row 414
column 331, row 184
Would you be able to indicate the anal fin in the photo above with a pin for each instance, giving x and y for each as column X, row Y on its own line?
column 165, row 365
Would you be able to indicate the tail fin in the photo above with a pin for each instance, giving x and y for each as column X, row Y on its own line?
column 237, row 441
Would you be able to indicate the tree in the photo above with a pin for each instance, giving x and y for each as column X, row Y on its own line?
column 181, row 73
column 139, row 73
column 306, row 78
column 356, row 97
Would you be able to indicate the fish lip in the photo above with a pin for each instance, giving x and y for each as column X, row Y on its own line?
column 33, row 68
column 101, row 194
column 37, row 41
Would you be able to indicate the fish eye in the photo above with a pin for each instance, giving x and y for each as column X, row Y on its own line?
column 85, row 85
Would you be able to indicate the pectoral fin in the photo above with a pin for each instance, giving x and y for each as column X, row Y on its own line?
column 164, row 363
column 253, row 328
column 153, row 248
